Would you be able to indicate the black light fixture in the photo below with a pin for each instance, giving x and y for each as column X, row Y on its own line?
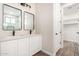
column 25, row 5
column 29, row 6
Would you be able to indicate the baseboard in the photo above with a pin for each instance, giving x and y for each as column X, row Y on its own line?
column 49, row 53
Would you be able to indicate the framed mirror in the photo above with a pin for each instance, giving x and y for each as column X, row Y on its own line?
column 28, row 21
column 11, row 18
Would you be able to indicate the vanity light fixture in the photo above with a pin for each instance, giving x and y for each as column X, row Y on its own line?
column 25, row 5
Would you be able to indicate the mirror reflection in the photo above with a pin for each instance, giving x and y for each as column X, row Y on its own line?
column 29, row 21
column 11, row 18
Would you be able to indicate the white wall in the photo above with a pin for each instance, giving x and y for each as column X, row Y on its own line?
column 17, row 5
column 44, row 26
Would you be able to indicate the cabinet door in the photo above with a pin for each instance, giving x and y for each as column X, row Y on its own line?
column 9, row 48
column 35, row 45
column 23, row 47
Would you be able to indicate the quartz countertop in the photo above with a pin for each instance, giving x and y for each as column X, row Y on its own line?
column 8, row 38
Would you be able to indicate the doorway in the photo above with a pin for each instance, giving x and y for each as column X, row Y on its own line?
column 70, row 23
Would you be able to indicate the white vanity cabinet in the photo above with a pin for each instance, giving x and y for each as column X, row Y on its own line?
column 35, row 44
column 26, row 46
column 23, row 47
column 8, row 48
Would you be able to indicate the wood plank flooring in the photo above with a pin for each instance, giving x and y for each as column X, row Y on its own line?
column 41, row 53
column 69, row 49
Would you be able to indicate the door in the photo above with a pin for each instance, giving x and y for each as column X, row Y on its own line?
column 9, row 48
column 23, row 47
column 56, row 27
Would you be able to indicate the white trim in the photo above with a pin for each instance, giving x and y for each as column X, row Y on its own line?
column 49, row 53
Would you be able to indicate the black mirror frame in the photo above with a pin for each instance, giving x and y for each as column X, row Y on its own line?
column 33, row 21
column 3, row 17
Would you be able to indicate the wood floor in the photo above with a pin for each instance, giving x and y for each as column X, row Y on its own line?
column 40, row 53
column 69, row 49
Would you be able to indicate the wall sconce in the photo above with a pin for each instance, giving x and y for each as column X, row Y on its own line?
column 25, row 5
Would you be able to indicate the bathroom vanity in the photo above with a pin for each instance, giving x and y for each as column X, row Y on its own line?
column 20, row 45
column 24, row 45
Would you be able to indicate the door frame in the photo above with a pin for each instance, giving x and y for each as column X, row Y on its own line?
column 61, row 11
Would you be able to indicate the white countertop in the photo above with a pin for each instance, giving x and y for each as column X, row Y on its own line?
column 8, row 38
